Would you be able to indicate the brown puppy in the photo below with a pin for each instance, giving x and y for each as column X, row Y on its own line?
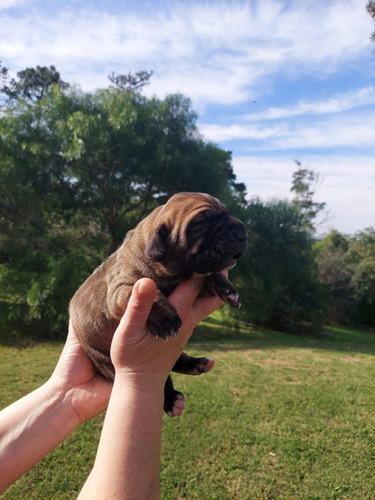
column 192, row 234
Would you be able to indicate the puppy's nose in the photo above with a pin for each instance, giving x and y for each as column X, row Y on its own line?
column 240, row 233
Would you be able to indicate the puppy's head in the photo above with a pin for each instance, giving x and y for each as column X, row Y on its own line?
column 195, row 233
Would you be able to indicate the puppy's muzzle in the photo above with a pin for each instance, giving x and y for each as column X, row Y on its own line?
column 233, row 243
column 238, row 240
column 223, row 251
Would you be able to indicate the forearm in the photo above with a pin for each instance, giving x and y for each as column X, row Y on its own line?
column 127, row 464
column 30, row 428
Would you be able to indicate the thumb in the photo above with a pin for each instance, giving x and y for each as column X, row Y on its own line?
column 133, row 325
column 140, row 304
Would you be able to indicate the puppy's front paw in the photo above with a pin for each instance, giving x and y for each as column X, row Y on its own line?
column 193, row 366
column 163, row 321
column 233, row 298
column 218, row 284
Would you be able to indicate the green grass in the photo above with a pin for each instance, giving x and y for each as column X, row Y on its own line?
column 281, row 416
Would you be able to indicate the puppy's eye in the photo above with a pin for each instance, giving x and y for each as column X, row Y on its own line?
column 203, row 217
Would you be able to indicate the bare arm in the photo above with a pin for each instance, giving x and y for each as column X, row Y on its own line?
column 23, row 437
column 128, row 458
column 34, row 425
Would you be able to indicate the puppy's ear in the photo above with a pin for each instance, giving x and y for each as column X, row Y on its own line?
column 156, row 248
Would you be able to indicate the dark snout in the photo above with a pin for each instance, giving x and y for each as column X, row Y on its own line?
column 224, row 244
column 240, row 232
column 233, row 242
column 239, row 237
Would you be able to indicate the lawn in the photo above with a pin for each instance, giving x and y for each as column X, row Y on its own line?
column 281, row 416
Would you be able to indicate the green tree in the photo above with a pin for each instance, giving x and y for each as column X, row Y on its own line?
column 126, row 153
column 371, row 10
column 304, row 185
column 279, row 274
column 3, row 75
column 347, row 265
column 33, row 83
column 3, row 80
column 331, row 254
column 39, row 229
column 278, row 277
column 130, row 82
column 360, row 259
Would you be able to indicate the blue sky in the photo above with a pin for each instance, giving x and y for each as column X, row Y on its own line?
column 272, row 81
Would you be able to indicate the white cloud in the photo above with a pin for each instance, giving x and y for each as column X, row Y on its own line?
column 213, row 51
column 335, row 104
column 6, row 4
column 223, row 133
column 348, row 185
column 344, row 131
column 347, row 131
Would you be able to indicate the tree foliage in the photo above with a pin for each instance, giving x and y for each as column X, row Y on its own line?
column 304, row 185
column 360, row 259
column 347, row 265
column 3, row 75
column 33, row 83
column 278, row 275
column 330, row 257
column 130, row 82
column 371, row 10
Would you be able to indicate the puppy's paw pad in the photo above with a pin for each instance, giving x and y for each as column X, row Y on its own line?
column 229, row 295
column 206, row 365
column 234, row 300
column 178, row 406
column 210, row 364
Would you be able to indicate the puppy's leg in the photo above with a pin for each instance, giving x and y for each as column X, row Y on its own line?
column 118, row 296
column 174, row 401
column 193, row 366
column 163, row 320
column 218, row 284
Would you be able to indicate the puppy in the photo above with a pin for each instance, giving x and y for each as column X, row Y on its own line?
column 193, row 234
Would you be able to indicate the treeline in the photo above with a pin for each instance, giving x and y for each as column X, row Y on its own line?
column 289, row 280
column 79, row 169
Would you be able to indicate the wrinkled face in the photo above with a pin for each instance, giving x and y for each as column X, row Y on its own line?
column 216, row 241
column 198, row 233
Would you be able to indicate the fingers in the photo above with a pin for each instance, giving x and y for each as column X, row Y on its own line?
column 207, row 305
column 204, row 306
column 184, row 296
column 189, row 306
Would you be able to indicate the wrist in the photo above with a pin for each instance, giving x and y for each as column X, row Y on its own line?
column 61, row 398
column 151, row 384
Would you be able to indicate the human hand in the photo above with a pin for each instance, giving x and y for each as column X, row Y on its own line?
column 76, row 379
column 142, row 360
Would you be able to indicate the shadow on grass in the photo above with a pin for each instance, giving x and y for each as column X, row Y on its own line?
column 217, row 334
column 21, row 337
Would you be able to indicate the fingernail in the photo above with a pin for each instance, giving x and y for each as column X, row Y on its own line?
column 146, row 287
